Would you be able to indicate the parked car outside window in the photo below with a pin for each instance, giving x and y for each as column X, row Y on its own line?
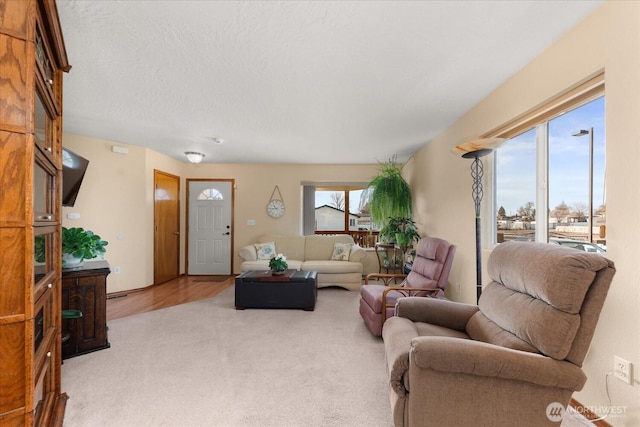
column 577, row 244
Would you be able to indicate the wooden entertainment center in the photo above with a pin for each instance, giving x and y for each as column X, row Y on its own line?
column 32, row 60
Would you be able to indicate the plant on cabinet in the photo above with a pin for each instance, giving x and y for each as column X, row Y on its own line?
column 79, row 244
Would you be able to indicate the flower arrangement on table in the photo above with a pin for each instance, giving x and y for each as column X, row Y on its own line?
column 278, row 263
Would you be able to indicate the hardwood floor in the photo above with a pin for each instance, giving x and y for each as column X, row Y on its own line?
column 179, row 291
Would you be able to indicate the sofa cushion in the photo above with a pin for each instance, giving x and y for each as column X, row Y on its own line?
column 290, row 246
column 321, row 247
column 372, row 295
column 248, row 253
column 357, row 254
column 341, row 251
column 327, row 266
column 265, row 250
column 432, row 330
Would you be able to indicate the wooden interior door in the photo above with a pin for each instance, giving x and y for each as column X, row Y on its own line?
column 166, row 247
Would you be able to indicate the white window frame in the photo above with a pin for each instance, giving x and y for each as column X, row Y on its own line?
column 539, row 118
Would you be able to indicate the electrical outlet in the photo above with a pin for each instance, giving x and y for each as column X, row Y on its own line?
column 622, row 369
column 116, row 269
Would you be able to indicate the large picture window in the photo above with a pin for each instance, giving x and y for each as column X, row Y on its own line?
column 550, row 176
column 337, row 209
column 334, row 208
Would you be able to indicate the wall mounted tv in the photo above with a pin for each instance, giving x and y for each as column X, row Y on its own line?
column 73, row 168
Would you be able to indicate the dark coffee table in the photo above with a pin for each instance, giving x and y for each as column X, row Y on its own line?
column 260, row 289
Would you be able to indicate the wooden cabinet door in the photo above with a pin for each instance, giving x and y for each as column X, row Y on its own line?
column 85, row 291
column 166, row 246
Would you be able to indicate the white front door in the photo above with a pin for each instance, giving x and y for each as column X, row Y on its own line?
column 209, row 227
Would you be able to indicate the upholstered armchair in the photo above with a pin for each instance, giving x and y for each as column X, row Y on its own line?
column 503, row 362
column 428, row 278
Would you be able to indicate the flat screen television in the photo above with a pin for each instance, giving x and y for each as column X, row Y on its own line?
column 74, row 167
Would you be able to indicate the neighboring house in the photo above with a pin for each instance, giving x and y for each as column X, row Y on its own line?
column 515, row 223
column 329, row 218
column 364, row 223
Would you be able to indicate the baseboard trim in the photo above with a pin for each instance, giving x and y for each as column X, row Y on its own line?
column 594, row 418
column 120, row 294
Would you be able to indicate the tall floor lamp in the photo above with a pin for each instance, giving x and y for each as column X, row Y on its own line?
column 589, row 132
column 475, row 150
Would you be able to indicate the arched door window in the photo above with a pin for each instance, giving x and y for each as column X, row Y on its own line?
column 210, row 194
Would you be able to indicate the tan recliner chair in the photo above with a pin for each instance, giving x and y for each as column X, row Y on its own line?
column 511, row 359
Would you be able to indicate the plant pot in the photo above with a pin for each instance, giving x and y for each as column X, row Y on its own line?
column 69, row 261
column 277, row 273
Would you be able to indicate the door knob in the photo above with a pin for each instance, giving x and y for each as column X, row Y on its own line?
column 177, row 233
column 226, row 234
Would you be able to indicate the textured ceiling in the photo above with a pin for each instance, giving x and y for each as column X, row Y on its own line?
column 293, row 81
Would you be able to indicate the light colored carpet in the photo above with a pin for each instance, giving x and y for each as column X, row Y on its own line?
column 205, row 364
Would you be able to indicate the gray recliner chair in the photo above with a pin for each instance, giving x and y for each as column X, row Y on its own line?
column 505, row 361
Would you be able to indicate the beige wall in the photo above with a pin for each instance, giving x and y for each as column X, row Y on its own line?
column 112, row 203
column 116, row 201
column 607, row 40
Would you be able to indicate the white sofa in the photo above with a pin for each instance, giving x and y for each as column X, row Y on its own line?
column 311, row 253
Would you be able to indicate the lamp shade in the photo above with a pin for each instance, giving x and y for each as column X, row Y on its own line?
column 477, row 147
column 194, row 157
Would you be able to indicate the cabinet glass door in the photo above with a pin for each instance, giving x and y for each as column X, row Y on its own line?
column 44, row 272
column 44, row 185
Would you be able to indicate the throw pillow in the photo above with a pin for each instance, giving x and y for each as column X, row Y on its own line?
column 341, row 251
column 265, row 250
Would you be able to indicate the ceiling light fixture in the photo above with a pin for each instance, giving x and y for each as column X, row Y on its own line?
column 194, row 157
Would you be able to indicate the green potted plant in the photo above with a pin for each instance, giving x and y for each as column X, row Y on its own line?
column 387, row 196
column 406, row 233
column 79, row 244
column 388, row 231
column 399, row 230
column 278, row 264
